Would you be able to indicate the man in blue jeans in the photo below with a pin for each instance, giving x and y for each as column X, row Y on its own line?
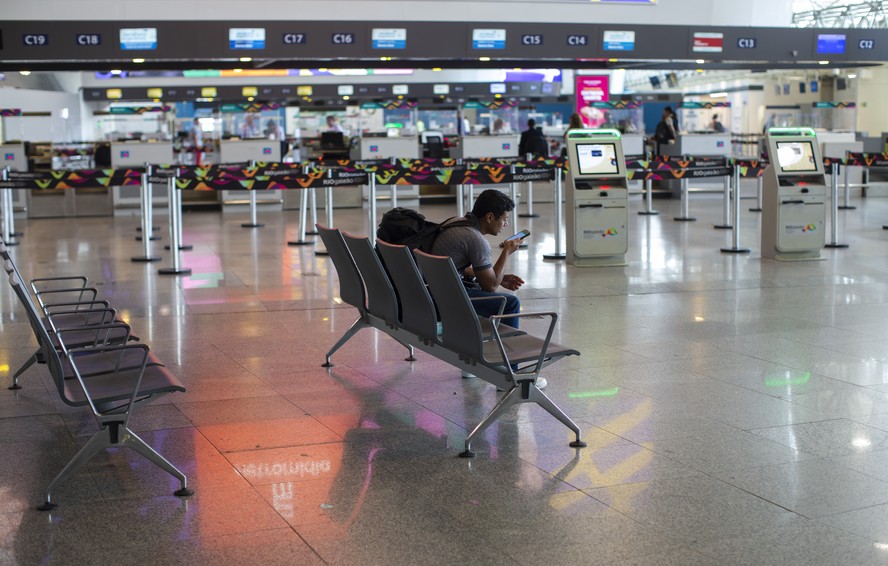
column 473, row 258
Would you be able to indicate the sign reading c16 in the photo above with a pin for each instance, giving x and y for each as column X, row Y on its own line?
column 295, row 38
column 746, row 43
column 866, row 44
column 343, row 39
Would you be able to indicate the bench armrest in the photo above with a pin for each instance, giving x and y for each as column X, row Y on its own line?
column 56, row 319
column 73, row 355
column 553, row 318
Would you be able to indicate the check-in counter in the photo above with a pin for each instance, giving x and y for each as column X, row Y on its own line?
column 258, row 150
column 137, row 154
column 486, row 146
column 699, row 145
column 15, row 157
column 407, row 147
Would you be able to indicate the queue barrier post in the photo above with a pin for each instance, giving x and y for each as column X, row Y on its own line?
column 648, row 199
column 726, row 204
column 735, row 235
column 559, row 222
column 758, row 194
column 313, row 197
column 146, row 208
column 253, row 223
column 328, row 210
column 684, row 203
column 846, row 198
column 176, row 208
column 529, row 213
column 175, row 231
column 303, row 215
column 834, row 208
column 145, row 203
column 7, row 232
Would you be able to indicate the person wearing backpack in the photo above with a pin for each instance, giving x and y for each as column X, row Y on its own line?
column 473, row 258
column 533, row 141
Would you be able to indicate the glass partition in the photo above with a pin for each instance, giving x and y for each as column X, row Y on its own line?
column 704, row 117
column 831, row 116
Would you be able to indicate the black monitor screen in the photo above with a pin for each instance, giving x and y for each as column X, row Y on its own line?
column 597, row 159
column 796, row 157
column 332, row 139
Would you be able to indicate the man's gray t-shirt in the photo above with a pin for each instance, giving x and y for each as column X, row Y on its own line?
column 465, row 245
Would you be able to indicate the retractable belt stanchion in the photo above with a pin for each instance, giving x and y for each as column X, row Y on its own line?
column 313, row 196
column 328, row 213
column 846, row 194
column 529, row 213
column 253, row 223
column 175, row 250
column 726, row 205
column 176, row 208
column 648, row 199
column 684, row 203
column 834, row 208
column 559, row 221
column 303, row 205
column 460, row 200
column 394, row 189
column 371, row 213
column 146, row 206
column 758, row 195
column 735, row 236
column 145, row 201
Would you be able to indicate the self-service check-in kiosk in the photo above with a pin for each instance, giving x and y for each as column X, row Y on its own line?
column 597, row 197
column 793, row 196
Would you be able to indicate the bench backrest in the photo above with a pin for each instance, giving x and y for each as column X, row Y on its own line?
column 461, row 329
column 351, row 287
column 418, row 313
column 381, row 299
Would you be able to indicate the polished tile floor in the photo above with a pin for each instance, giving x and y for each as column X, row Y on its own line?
column 736, row 409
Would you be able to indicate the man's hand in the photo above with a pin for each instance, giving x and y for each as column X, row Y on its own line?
column 511, row 246
column 512, row 282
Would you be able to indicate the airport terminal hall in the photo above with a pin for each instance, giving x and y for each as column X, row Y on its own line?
column 444, row 282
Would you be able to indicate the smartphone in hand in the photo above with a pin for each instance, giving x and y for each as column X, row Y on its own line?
column 519, row 236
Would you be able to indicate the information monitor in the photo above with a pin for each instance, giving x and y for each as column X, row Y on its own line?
column 597, row 159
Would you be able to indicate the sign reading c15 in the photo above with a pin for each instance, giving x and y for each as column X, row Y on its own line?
column 35, row 39
column 746, row 42
column 88, row 39
column 532, row 39
column 295, row 38
column 343, row 39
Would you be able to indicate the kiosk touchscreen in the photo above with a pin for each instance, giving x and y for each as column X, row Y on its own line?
column 793, row 196
column 597, row 197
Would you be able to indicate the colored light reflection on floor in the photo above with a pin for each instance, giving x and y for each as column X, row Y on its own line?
column 599, row 393
column 203, row 280
column 784, row 381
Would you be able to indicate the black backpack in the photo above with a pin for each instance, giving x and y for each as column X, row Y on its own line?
column 410, row 228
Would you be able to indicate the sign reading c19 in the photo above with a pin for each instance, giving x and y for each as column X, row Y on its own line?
column 35, row 39
column 746, row 42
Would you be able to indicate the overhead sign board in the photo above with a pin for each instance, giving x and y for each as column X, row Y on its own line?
column 385, row 38
column 246, row 38
column 488, row 39
column 708, row 42
column 618, row 40
column 831, row 43
column 138, row 39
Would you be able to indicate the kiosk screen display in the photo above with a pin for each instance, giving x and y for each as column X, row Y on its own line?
column 796, row 157
column 597, row 159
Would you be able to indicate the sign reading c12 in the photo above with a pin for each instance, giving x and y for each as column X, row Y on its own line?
column 746, row 43
column 866, row 44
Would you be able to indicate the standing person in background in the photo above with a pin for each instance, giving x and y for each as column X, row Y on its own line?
column 575, row 123
column 274, row 131
column 250, row 129
column 333, row 125
column 665, row 133
column 716, row 125
column 533, row 141
column 197, row 141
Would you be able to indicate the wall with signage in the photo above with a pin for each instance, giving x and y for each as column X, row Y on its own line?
column 676, row 12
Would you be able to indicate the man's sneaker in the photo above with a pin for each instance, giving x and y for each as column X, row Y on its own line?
column 467, row 375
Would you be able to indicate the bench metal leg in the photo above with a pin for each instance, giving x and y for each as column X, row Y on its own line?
column 31, row 361
column 524, row 392
column 352, row 330
column 107, row 438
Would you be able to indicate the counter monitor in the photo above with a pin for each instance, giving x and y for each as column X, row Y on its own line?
column 796, row 157
column 597, row 159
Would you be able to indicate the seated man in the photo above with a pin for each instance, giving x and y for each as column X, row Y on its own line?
column 473, row 258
